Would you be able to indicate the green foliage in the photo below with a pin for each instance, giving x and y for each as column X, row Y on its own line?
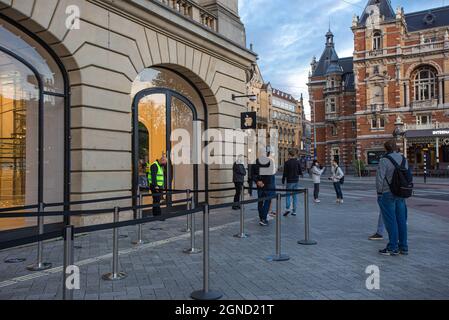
column 359, row 166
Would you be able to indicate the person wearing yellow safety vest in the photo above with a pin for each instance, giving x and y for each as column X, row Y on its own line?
column 156, row 181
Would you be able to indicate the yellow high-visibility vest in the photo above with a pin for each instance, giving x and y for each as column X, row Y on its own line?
column 159, row 175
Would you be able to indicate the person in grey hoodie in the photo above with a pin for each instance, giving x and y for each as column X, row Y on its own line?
column 337, row 176
column 393, row 208
column 238, row 177
column 317, row 172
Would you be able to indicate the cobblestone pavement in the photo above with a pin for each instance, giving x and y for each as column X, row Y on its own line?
column 333, row 269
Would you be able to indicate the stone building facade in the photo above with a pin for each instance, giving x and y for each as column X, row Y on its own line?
column 277, row 110
column 113, row 79
column 332, row 101
column 401, row 71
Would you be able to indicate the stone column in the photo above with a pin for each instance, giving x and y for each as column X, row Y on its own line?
column 407, row 93
column 440, row 91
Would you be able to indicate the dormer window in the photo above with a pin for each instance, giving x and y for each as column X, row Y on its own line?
column 377, row 40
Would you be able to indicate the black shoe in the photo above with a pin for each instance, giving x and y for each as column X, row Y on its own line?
column 376, row 237
column 403, row 252
column 386, row 252
column 235, row 208
column 286, row 213
column 294, row 214
column 263, row 223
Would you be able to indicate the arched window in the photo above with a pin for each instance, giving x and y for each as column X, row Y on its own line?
column 165, row 103
column 34, row 124
column 425, row 81
column 377, row 40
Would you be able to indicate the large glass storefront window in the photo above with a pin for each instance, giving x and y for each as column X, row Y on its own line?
column 19, row 126
column 154, row 110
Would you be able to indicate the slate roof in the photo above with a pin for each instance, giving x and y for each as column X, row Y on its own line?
column 385, row 10
column 427, row 19
column 283, row 95
column 348, row 73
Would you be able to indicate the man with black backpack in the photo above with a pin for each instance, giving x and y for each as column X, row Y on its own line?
column 394, row 183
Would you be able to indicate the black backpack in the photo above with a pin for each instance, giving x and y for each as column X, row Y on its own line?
column 402, row 182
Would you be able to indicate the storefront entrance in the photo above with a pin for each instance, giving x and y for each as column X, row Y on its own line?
column 34, row 124
column 157, row 112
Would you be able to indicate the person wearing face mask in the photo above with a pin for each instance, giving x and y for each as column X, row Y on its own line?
column 337, row 178
column 238, row 177
column 264, row 177
column 317, row 172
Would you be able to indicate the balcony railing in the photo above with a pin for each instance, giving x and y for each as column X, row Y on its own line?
column 378, row 107
column 426, row 104
column 376, row 53
column 193, row 11
column 329, row 90
column 424, row 47
column 331, row 116
column 427, row 126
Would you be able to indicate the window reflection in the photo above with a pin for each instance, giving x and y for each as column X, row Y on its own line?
column 163, row 78
column 16, row 41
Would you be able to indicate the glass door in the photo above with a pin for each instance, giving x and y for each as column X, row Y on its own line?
column 157, row 113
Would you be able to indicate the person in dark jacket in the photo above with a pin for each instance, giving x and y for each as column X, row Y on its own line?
column 263, row 176
column 292, row 172
column 238, row 177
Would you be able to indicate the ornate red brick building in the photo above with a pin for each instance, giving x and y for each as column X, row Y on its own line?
column 399, row 75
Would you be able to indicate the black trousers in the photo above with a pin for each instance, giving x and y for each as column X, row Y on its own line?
column 156, row 200
column 238, row 191
column 316, row 190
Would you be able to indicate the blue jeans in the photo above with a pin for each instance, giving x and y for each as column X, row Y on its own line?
column 288, row 199
column 264, row 206
column 337, row 187
column 380, row 225
column 394, row 215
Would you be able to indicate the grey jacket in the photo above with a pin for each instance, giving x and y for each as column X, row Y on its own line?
column 385, row 172
column 316, row 174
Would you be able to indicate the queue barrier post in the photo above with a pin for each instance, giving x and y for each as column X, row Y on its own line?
column 188, row 217
column 115, row 274
column 40, row 265
column 307, row 241
column 68, row 288
column 206, row 293
column 192, row 223
column 242, row 234
column 139, row 240
column 278, row 256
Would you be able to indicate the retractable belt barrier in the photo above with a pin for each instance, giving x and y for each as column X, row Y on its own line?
column 68, row 232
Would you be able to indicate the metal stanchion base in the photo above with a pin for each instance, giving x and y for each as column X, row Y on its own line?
column 40, row 266
column 14, row 260
column 281, row 257
column 192, row 251
column 114, row 277
column 203, row 295
column 139, row 242
column 241, row 236
column 307, row 242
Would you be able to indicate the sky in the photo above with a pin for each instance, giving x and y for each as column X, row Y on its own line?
column 286, row 34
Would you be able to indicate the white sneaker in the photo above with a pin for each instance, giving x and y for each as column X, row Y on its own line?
column 341, row 201
column 317, row 201
column 338, row 201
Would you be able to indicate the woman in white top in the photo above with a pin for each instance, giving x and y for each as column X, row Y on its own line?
column 317, row 172
column 337, row 176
